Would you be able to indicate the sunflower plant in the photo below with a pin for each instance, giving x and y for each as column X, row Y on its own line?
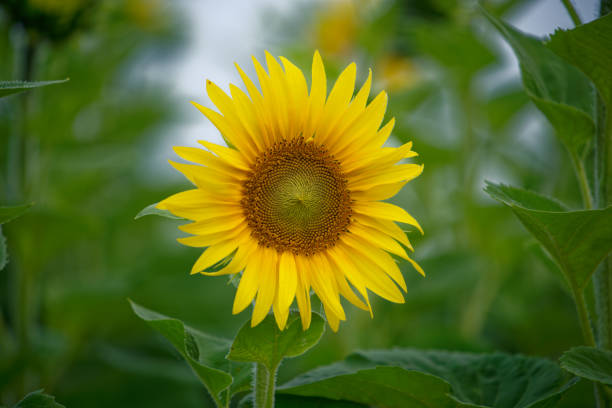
column 293, row 209
column 293, row 203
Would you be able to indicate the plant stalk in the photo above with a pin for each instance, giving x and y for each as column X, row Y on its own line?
column 602, row 280
column 589, row 338
column 265, row 384
column 583, row 316
column 583, row 181
column 571, row 10
column 22, row 276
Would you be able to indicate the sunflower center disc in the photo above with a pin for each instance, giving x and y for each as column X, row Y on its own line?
column 296, row 198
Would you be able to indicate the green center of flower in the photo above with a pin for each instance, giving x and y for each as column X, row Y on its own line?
column 296, row 198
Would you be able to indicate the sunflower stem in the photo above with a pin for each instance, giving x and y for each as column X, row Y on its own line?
column 571, row 10
column 265, row 384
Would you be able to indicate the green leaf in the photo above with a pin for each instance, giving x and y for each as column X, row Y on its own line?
column 153, row 210
column 268, row 345
column 12, row 87
column 590, row 363
column 38, row 399
column 559, row 90
column 524, row 198
column 588, row 48
column 577, row 240
column 10, row 213
column 204, row 353
column 416, row 378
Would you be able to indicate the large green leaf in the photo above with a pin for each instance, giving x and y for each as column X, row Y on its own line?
column 588, row 48
column 10, row 213
column 590, row 363
column 577, row 240
column 268, row 345
column 558, row 89
column 153, row 210
column 415, row 378
column 12, row 87
column 38, row 399
column 204, row 353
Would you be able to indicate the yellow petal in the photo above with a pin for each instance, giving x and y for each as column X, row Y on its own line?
column 280, row 314
column 374, row 277
column 206, row 211
column 212, row 225
column 318, row 93
column 201, row 156
column 298, row 94
column 377, row 158
column 417, row 266
column 351, row 273
column 388, row 227
column 239, row 261
column 270, row 105
column 280, row 92
column 268, row 277
column 206, row 178
column 191, row 199
column 325, row 286
column 377, row 256
column 252, row 117
column 287, row 279
column 214, row 254
column 353, row 112
column 337, row 102
column 249, row 282
column 210, row 239
column 302, row 293
column 231, row 156
column 392, row 174
column 233, row 112
column 386, row 211
column 383, row 134
column 363, row 130
column 327, row 268
column 332, row 319
column 379, row 192
column 377, row 238
column 229, row 128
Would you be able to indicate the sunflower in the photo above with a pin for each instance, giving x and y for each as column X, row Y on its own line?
column 293, row 203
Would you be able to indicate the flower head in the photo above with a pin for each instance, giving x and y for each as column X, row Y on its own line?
column 294, row 202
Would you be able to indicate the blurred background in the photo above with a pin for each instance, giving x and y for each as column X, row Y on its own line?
column 95, row 153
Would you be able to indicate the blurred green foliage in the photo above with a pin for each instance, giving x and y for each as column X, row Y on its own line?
column 88, row 147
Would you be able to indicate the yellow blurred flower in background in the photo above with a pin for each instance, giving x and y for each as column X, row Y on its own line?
column 59, row 8
column 336, row 27
column 396, row 73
